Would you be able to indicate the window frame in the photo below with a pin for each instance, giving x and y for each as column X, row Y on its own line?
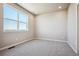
column 18, row 11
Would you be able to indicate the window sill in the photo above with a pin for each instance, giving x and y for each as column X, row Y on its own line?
column 14, row 31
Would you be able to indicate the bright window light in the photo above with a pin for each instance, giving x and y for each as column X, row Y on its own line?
column 14, row 20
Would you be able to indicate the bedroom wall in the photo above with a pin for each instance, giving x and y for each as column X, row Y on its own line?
column 10, row 38
column 52, row 26
column 78, row 29
column 72, row 26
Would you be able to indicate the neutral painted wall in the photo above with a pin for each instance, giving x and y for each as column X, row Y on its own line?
column 9, row 38
column 78, row 28
column 52, row 26
column 72, row 26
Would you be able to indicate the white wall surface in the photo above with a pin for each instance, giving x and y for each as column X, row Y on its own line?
column 52, row 26
column 78, row 28
column 72, row 26
column 10, row 38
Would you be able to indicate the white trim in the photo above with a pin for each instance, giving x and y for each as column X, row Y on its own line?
column 58, row 41
column 6, row 47
column 75, row 50
column 51, row 39
column 40, row 39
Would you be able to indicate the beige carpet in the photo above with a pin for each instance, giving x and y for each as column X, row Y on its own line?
column 40, row 48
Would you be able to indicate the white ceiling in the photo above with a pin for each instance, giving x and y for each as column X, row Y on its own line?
column 41, row 8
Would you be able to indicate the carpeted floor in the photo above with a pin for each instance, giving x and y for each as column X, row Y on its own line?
column 40, row 48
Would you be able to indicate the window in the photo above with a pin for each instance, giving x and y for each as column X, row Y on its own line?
column 22, row 22
column 14, row 20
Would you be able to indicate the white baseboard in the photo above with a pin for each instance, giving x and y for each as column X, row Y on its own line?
column 58, row 41
column 6, row 47
column 40, row 39
column 51, row 39
column 75, row 50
